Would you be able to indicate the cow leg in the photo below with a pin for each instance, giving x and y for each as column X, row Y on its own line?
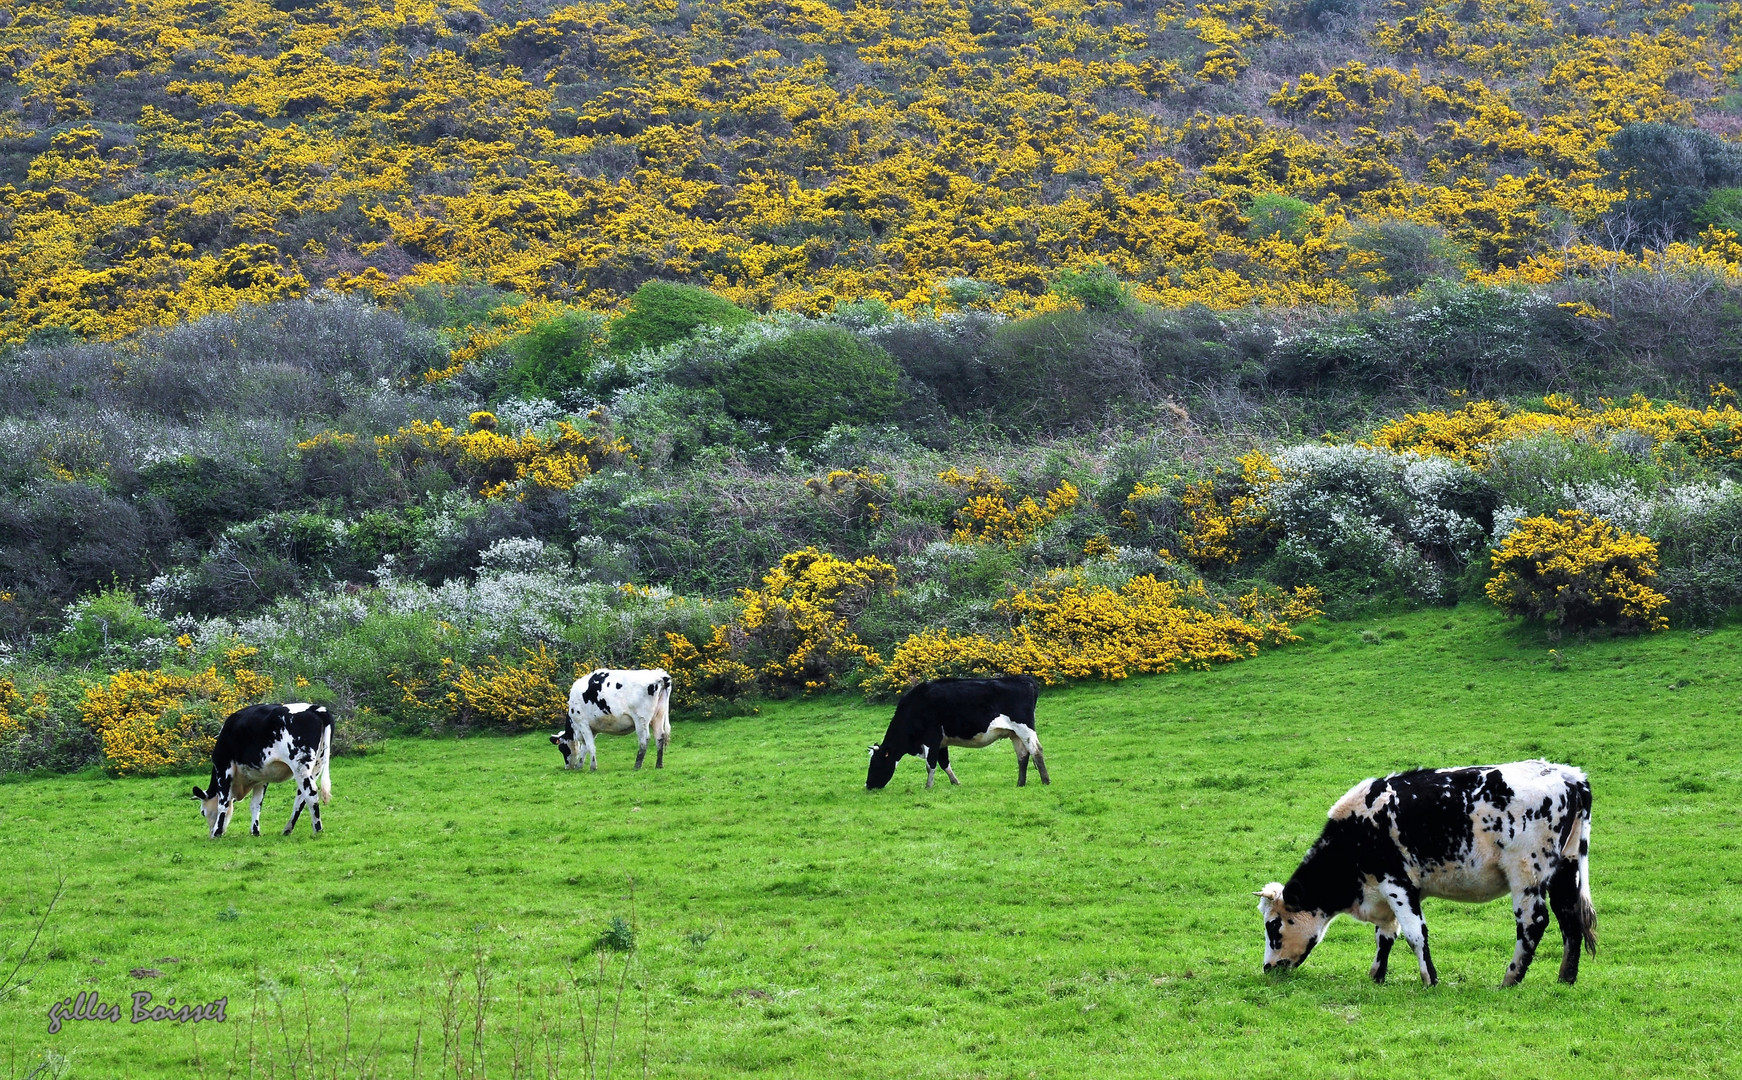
column 1040, row 763
column 1406, row 908
column 640, row 741
column 931, row 766
column 314, row 807
column 224, row 808
column 944, row 762
column 659, row 755
column 1532, row 916
column 259, row 797
column 1563, row 900
column 295, row 811
column 1383, row 938
column 589, row 748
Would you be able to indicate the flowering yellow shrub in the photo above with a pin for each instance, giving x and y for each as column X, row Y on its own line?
column 1225, row 516
column 699, row 675
column 496, row 464
column 798, row 621
column 153, row 721
column 990, row 515
column 1577, row 570
column 1070, row 629
column 1713, row 433
column 795, row 633
column 531, row 694
column 855, row 496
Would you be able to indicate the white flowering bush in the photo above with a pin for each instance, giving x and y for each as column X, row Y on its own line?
column 1364, row 520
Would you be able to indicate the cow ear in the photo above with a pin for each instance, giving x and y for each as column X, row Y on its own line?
column 555, row 740
column 1271, row 893
column 198, row 794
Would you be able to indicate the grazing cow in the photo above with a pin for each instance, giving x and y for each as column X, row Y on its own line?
column 936, row 715
column 611, row 702
column 264, row 744
column 1469, row 834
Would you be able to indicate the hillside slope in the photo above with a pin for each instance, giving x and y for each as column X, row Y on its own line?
column 166, row 158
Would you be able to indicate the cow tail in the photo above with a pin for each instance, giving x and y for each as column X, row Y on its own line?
column 1578, row 847
column 326, row 752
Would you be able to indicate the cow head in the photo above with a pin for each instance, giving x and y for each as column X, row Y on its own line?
column 564, row 741
column 882, row 767
column 214, row 808
column 1288, row 935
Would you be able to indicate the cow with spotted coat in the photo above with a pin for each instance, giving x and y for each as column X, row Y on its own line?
column 267, row 744
column 1472, row 834
column 616, row 702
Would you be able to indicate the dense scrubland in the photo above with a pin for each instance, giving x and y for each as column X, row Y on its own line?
column 162, row 159
column 284, row 502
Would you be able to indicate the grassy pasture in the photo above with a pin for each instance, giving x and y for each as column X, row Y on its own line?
column 792, row 924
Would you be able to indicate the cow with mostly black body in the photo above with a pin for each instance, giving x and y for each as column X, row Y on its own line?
column 614, row 702
column 1472, row 834
column 267, row 744
column 936, row 715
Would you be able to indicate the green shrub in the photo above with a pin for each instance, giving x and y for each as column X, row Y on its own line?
column 662, row 312
column 803, row 383
column 110, row 619
column 555, row 355
column 1396, row 256
column 209, row 493
column 1665, row 172
column 1721, row 210
column 1095, row 287
column 1279, row 215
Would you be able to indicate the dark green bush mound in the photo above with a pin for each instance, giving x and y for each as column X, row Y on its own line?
column 662, row 312
column 556, row 355
column 807, row 381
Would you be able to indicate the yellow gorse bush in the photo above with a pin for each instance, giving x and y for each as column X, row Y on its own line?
column 800, row 619
column 154, row 721
column 1226, row 516
column 1468, row 434
column 1577, row 570
column 992, row 516
column 1069, row 628
column 533, row 693
column 794, row 633
column 855, row 496
column 495, row 464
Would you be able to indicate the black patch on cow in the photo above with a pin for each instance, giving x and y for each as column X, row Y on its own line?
column 595, row 685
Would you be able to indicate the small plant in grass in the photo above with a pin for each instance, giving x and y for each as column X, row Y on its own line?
column 1575, row 570
column 618, row 935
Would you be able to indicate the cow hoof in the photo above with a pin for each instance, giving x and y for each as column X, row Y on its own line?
column 1377, row 974
column 255, row 830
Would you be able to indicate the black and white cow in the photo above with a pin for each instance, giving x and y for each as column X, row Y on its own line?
column 1471, row 834
column 610, row 702
column 266, row 744
column 936, row 715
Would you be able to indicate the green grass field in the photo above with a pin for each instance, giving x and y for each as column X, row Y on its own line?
column 792, row 924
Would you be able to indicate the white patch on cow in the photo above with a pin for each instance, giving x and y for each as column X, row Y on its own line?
column 1026, row 742
column 295, row 707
